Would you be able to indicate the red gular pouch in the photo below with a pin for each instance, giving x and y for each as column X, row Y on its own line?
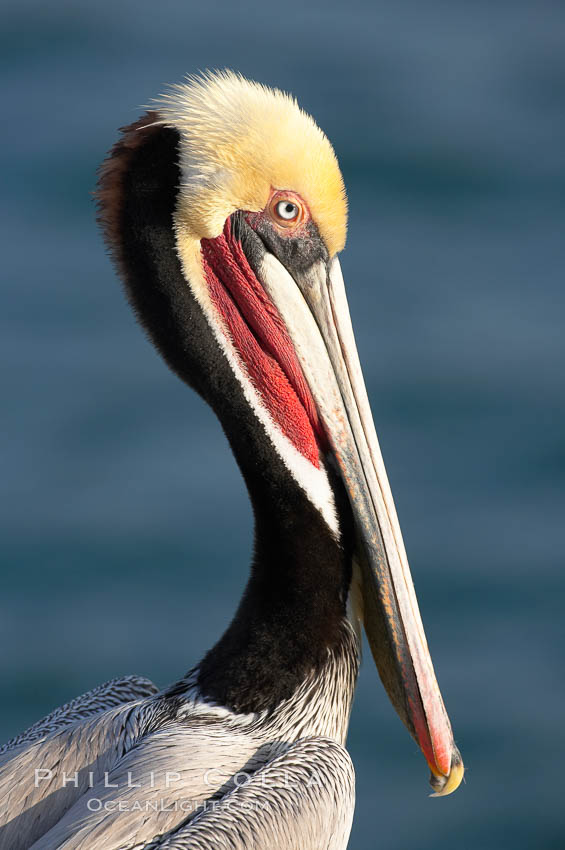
column 262, row 342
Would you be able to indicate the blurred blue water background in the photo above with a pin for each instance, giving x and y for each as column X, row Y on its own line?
column 125, row 526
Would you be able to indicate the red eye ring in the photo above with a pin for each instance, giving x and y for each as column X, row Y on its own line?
column 287, row 209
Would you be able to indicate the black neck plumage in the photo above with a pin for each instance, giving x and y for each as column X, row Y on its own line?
column 293, row 609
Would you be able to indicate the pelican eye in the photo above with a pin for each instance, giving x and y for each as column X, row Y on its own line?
column 287, row 210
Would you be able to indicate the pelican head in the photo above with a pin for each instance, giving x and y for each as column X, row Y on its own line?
column 225, row 210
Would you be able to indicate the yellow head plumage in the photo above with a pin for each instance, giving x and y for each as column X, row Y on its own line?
column 239, row 141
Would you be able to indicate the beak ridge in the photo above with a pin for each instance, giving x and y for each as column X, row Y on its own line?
column 391, row 616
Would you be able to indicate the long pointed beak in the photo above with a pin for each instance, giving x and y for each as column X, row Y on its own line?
column 325, row 345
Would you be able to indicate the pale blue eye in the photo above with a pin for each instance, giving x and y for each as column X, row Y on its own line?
column 287, row 210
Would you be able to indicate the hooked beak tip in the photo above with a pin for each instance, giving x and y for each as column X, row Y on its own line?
column 444, row 785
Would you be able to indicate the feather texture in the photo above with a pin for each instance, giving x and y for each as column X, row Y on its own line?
column 126, row 778
column 239, row 140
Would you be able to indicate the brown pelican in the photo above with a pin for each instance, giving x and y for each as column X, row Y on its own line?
column 224, row 209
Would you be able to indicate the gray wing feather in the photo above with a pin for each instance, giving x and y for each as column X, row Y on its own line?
column 296, row 800
column 301, row 800
column 84, row 738
column 199, row 757
column 109, row 695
